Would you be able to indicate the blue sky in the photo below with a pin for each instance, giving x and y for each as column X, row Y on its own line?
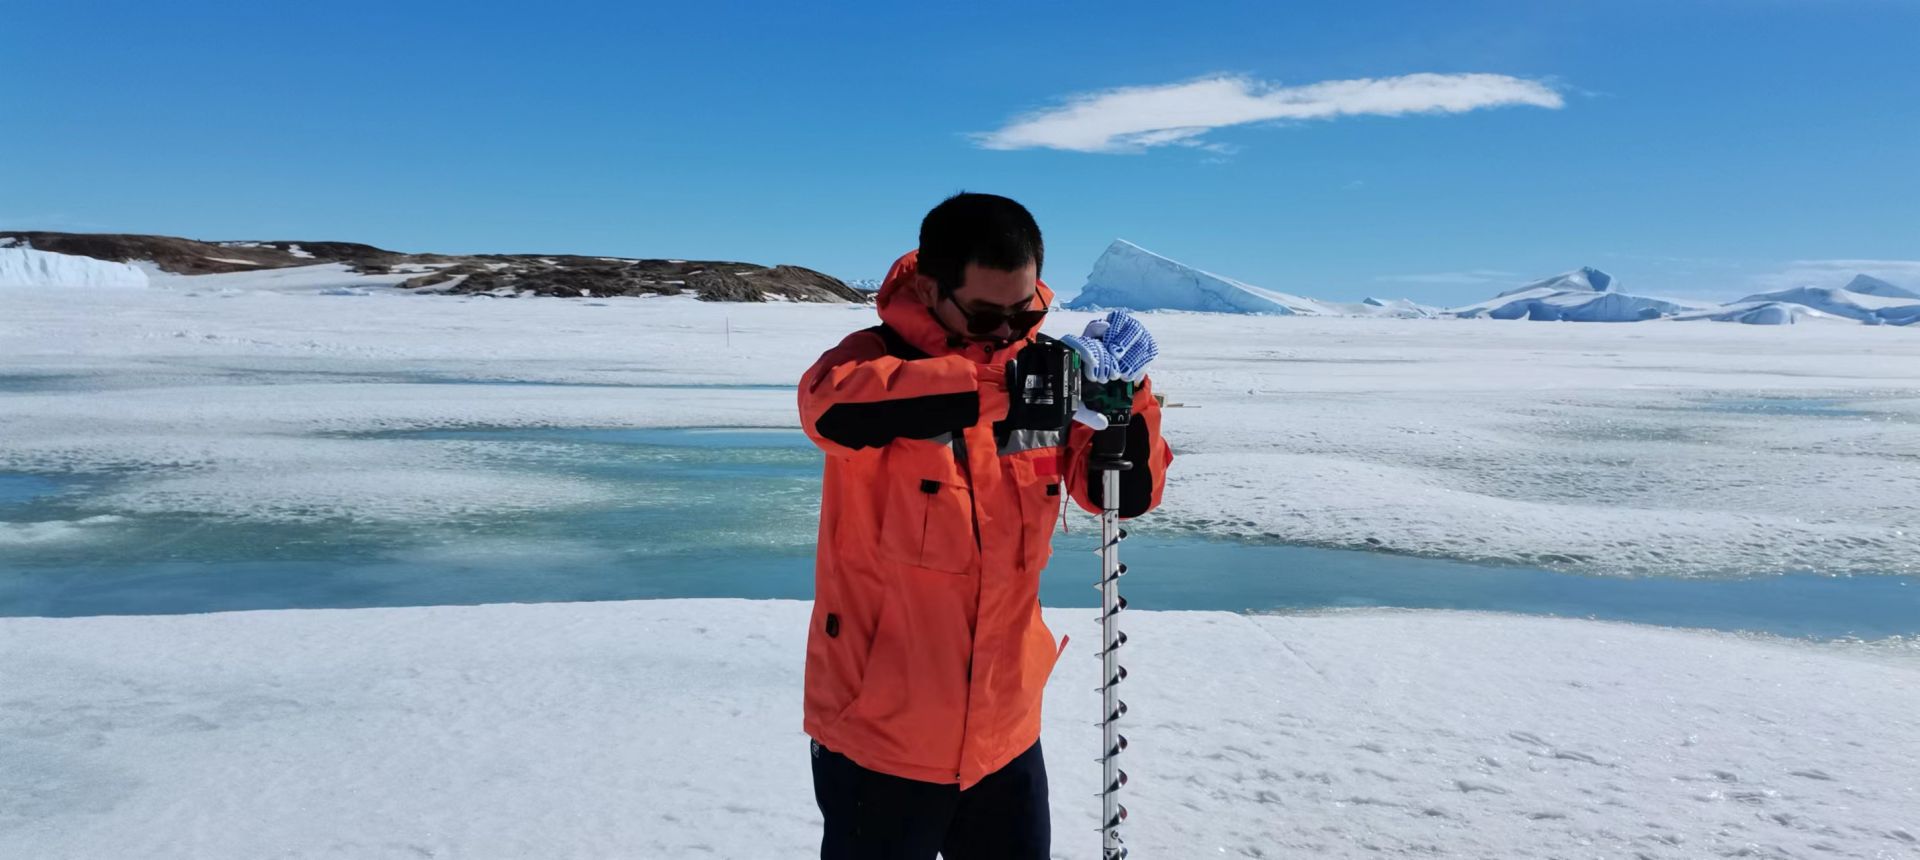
column 1691, row 148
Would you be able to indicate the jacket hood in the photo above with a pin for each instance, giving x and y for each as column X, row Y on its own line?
column 903, row 312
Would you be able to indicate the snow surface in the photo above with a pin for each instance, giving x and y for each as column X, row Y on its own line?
column 315, row 279
column 25, row 267
column 671, row 729
column 1602, row 449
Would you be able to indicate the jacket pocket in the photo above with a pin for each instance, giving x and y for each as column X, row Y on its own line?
column 1036, row 475
column 927, row 520
column 912, row 700
column 847, row 656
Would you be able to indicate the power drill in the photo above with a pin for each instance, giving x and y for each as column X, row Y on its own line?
column 1045, row 382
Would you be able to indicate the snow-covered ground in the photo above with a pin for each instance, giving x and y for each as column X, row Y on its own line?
column 670, row 728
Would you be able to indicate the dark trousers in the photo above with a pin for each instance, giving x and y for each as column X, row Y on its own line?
column 876, row 816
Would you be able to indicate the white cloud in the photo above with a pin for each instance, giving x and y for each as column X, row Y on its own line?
column 1836, row 273
column 1134, row 119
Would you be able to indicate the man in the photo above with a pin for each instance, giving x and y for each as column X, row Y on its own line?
column 927, row 654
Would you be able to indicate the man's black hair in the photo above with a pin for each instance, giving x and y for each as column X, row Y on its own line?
column 987, row 229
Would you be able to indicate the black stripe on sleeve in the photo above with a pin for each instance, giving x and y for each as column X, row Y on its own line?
column 874, row 424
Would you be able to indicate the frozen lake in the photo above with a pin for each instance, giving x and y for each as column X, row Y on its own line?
column 719, row 512
column 171, row 452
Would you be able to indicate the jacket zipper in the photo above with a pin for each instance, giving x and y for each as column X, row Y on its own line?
column 966, row 472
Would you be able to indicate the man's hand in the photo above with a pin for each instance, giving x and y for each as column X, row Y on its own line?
column 1116, row 347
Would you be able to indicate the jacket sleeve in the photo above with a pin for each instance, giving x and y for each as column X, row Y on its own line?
column 857, row 397
column 1140, row 486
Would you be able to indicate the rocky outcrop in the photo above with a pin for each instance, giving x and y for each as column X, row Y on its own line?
column 717, row 286
column 490, row 274
column 193, row 257
column 599, row 277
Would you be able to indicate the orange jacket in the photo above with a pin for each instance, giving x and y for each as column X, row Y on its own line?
column 927, row 655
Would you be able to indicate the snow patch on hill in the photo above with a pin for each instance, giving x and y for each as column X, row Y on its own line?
column 25, row 267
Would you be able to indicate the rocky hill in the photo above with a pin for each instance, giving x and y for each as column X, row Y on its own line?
column 494, row 274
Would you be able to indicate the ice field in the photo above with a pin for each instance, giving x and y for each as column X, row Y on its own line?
column 669, row 729
column 1654, row 448
column 324, row 441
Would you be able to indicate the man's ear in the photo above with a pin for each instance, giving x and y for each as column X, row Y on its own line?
column 926, row 289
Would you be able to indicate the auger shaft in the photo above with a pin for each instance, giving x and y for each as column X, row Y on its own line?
column 1114, row 401
column 1112, row 673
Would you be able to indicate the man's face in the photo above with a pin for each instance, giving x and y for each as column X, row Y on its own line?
column 986, row 292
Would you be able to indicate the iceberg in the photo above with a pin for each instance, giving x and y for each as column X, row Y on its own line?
column 1885, row 303
column 1582, row 295
column 1585, row 279
column 1868, row 285
column 1759, row 313
column 1129, row 276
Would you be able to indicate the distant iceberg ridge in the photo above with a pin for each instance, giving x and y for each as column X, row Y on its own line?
column 1131, row 277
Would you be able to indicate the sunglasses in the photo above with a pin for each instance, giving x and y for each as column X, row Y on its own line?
column 988, row 322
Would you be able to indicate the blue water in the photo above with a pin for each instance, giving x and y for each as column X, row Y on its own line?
column 731, row 513
column 30, row 383
column 187, row 372
column 1194, row 574
column 452, row 379
column 16, row 489
column 1811, row 407
column 710, row 438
